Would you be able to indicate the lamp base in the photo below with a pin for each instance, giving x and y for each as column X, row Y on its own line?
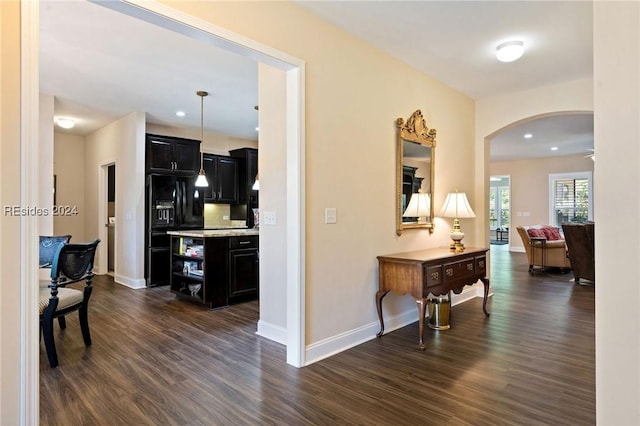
column 456, row 236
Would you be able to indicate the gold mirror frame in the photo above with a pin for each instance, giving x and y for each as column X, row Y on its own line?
column 415, row 130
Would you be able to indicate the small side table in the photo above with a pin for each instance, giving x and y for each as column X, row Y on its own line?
column 501, row 232
column 541, row 243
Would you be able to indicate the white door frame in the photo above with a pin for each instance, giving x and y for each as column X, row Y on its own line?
column 192, row 26
column 103, row 231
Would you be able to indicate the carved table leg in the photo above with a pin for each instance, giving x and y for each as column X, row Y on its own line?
column 485, row 281
column 422, row 307
column 379, row 296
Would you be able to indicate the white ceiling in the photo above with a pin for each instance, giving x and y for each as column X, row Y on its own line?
column 100, row 64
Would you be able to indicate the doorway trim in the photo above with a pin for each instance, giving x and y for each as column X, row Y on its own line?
column 103, row 234
column 195, row 27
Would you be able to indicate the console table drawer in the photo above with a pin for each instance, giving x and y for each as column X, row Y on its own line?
column 481, row 265
column 459, row 270
column 432, row 277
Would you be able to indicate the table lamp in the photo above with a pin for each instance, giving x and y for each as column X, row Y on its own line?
column 456, row 206
column 419, row 207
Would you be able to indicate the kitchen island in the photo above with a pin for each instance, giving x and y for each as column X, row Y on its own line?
column 215, row 267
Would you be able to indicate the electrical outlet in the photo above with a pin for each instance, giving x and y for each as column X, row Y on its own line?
column 269, row 218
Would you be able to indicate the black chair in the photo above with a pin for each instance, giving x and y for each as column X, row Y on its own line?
column 49, row 246
column 71, row 263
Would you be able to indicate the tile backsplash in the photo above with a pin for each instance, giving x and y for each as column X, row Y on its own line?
column 218, row 215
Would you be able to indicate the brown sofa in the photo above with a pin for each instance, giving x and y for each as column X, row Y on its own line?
column 552, row 252
column 581, row 246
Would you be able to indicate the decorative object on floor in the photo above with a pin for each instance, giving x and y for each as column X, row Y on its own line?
column 419, row 207
column 202, row 177
column 581, row 248
column 456, row 206
column 72, row 263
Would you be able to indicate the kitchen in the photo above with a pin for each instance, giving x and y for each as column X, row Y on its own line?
column 202, row 229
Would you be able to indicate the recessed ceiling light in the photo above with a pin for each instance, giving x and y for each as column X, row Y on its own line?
column 554, row 148
column 510, row 51
column 65, row 123
column 528, row 135
column 181, row 113
column 257, row 129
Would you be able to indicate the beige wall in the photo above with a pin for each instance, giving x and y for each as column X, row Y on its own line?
column 10, row 245
column 45, row 165
column 123, row 143
column 69, row 168
column 617, row 167
column 500, row 112
column 354, row 94
column 530, row 188
column 348, row 108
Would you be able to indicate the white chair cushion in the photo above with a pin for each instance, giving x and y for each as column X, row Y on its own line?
column 67, row 297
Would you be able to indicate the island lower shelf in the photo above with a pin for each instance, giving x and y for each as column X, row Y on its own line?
column 215, row 268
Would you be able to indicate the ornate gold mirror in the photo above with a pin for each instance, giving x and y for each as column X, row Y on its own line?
column 415, row 147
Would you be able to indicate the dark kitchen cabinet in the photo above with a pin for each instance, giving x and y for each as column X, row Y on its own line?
column 165, row 154
column 215, row 271
column 222, row 175
column 247, row 174
column 244, row 268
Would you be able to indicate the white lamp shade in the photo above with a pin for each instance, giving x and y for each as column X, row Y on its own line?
column 456, row 206
column 202, row 181
column 419, row 206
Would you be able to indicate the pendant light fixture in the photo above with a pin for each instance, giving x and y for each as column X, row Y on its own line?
column 202, row 178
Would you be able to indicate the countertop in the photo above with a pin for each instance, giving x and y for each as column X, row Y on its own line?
column 213, row 233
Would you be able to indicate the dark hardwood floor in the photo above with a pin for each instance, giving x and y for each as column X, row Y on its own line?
column 159, row 361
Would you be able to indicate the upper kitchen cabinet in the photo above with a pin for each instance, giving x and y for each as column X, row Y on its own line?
column 165, row 154
column 222, row 174
column 247, row 175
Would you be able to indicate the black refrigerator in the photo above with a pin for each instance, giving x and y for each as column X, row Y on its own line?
column 173, row 203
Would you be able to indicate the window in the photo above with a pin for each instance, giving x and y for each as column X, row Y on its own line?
column 499, row 216
column 571, row 198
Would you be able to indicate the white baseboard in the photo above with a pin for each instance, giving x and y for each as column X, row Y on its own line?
column 134, row 283
column 343, row 341
column 272, row 332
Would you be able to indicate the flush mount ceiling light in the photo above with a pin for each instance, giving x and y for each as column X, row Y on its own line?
column 65, row 123
column 181, row 113
column 510, row 51
column 528, row 135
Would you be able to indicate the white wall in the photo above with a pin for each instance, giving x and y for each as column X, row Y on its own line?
column 272, row 158
column 617, row 167
column 123, row 143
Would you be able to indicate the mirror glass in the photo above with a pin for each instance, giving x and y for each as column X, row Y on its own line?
column 415, row 145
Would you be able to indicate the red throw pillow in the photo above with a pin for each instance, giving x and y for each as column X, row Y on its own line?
column 536, row 233
column 551, row 233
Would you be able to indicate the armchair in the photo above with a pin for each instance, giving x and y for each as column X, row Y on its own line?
column 581, row 246
column 71, row 263
column 553, row 253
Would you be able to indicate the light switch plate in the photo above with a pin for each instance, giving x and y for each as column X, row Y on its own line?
column 330, row 215
column 269, row 218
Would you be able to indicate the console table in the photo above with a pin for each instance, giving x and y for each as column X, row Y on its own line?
column 433, row 271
